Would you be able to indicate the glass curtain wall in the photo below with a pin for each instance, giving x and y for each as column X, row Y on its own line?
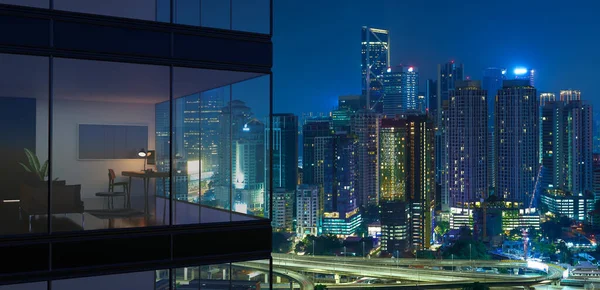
column 239, row 15
column 120, row 146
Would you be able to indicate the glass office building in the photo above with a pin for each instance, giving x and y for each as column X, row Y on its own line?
column 135, row 144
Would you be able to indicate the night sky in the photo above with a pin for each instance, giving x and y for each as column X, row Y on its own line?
column 317, row 43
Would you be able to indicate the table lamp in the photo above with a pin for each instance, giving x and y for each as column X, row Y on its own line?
column 143, row 154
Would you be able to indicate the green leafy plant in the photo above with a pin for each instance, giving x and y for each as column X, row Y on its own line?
column 33, row 166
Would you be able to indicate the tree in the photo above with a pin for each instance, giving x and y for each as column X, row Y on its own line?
column 564, row 254
column 280, row 243
column 320, row 287
column 467, row 249
column 442, row 228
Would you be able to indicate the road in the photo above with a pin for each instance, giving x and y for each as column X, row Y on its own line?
column 398, row 269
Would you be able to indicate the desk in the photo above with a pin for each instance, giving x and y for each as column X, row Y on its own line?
column 146, row 177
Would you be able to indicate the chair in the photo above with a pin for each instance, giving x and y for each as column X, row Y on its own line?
column 111, row 193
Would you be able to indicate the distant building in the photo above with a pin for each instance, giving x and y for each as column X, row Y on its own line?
column 285, row 150
column 375, row 59
column 283, row 209
column 597, row 132
column 492, row 82
column 407, row 175
column 308, row 215
column 352, row 102
column 517, row 141
column 395, row 236
column 431, row 95
column 568, row 96
column 401, row 91
column 467, row 144
column 526, row 74
column 341, row 214
column 567, row 155
column 447, row 75
column 365, row 126
column 313, row 130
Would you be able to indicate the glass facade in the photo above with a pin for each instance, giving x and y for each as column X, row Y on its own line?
column 105, row 116
column 128, row 144
column 239, row 15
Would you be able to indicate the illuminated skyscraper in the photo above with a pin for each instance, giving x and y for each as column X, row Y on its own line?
column 407, row 178
column 570, row 95
column 447, row 75
column 567, row 157
column 517, row 141
column 467, row 132
column 365, row 126
column 521, row 73
column 400, row 90
column 341, row 214
column 375, row 59
column 547, row 97
column 308, row 214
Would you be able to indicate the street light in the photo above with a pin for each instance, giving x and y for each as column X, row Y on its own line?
column 314, row 242
column 452, row 262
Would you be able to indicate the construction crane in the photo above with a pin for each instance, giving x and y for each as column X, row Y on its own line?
column 536, row 186
column 484, row 205
column 524, row 231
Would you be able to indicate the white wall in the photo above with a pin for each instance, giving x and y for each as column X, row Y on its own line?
column 93, row 174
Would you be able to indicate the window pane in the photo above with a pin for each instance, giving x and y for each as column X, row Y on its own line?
column 138, row 280
column 250, row 275
column 24, row 144
column 249, row 123
column 203, row 145
column 137, row 9
column 251, row 15
column 216, row 14
column 31, row 3
column 187, row 12
column 110, row 123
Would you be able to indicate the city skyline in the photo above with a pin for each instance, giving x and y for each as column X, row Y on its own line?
column 425, row 45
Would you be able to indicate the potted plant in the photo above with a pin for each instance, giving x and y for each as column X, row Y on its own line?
column 38, row 171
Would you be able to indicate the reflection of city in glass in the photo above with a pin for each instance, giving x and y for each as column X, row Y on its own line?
column 220, row 152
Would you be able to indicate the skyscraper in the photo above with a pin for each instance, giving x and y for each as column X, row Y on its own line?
column 311, row 130
column 570, row 95
column 365, row 126
column 341, row 214
column 400, row 90
column 431, row 95
column 308, row 213
column 407, row 176
column 491, row 83
column 447, row 75
column 567, row 156
column 521, row 73
column 285, row 151
column 283, row 209
column 352, row 102
column 467, row 132
column 375, row 59
column 547, row 97
column 517, row 141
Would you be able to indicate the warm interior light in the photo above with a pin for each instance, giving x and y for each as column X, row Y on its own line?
column 142, row 153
